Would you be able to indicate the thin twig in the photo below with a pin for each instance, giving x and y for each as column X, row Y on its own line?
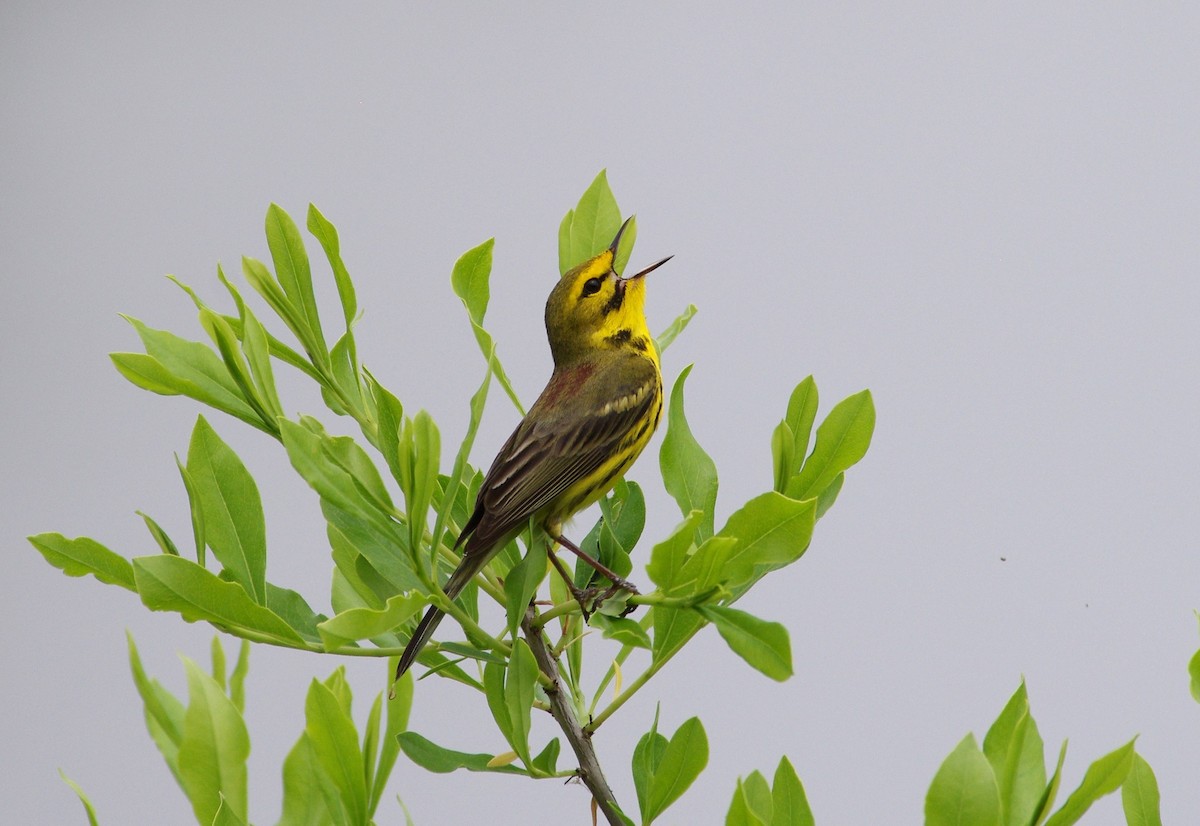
column 564, row 714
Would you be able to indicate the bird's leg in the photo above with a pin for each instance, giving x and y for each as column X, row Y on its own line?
column 618, row 582
column 578, row 594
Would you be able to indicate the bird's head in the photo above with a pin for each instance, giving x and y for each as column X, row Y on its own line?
column 593, row 308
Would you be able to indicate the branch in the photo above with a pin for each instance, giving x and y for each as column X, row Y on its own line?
column 564, row 714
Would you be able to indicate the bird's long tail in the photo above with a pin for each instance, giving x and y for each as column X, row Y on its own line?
column 466, row 569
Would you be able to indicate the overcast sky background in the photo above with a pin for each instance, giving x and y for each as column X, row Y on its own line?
column 987, row 215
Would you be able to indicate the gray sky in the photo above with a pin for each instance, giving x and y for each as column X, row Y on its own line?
column 986, row 215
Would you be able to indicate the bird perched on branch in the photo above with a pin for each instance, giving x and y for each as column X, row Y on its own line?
column 585, row 430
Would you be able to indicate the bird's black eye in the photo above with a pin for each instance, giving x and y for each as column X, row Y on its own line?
column 591, row 286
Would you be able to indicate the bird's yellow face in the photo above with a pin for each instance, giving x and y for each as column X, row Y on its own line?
column 593, row 310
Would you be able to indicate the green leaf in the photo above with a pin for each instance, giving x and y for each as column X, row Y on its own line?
column 518, row 697
column 772, row 531
column 589, row 228
column 182, row 367
column 226, row 341
column 1139, row 795
column 293, row 271
column 233, row 517
column 199, row 537
column 420, row 457
column 293, row 608
column 1015, row 751
column 160, row 536
column 172, row 583
column 390, row 414
column 226, row 816
column 256, row 346
column 260, row 278
column 326, row 233
column 647, row 755
column 764, row 645
column 493, row 689
column 214, row 747
column 237, row 680
column 689, row 474
column 668, row 557
column 521, row 583
column 842, row 439
column 364, row 623
column 309, row 795
column 1046, row 801
column 162, row 711
column 399, row 706
column 434, row 758
column 801, row 413
column 685, row 757
column 335, row 743
column 470, row 282
column 789, row 805
column 1194, row 673
column 546, row 760
column 782, row 455
column 742, row 812
column 88, row 809
column 827, row 497
column 218, row 663
column 453, row 484
column 668, row 336
column 1103, row 777
column 82, row 556
column 622, row 629
column 963, row 790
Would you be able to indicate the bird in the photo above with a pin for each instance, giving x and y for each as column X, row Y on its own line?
column 593, row 419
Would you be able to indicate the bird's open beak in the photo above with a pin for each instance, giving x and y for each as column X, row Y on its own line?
column 616, row 242
column 650, row 268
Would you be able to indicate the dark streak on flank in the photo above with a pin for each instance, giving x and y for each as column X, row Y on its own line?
column 621, row 336
column 640, row 344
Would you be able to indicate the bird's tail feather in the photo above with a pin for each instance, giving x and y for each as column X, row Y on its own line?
column 429, row 623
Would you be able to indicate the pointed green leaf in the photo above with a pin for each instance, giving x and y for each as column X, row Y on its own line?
column 292, row 269
column 293, row 608
column 237, row 680
column 1194, row 673
column 199, row 537
column 1139, row 795
column 1015, row 751
column 256, row 347
column 963, row 790
column 160, row 536
column 226, row 816
column 434, row 758
column 309, row 795
column 364, row 623
column 1046, row 801
column 214, row 748
column 667, row 557
column 519, row 683
column 741, row 810
column 685, row 757
column 668, row 336
column 689, row 474
column 647, row 755
column 546, row 760
column 782, row 456
column 789, row 805
column 399, row 706
column 233, row 517
column 162, row 711
column 801, row 413
column 172, row 583
column 593, row 224
column 82, row 556
column 470, row 282
column 1103, row 777
column 326, row 233
column 621, row 629
column 764, row 645
column 772, row 531
column 521, row 583
column 842, row 439
column 88, row 809
column 335, row 742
